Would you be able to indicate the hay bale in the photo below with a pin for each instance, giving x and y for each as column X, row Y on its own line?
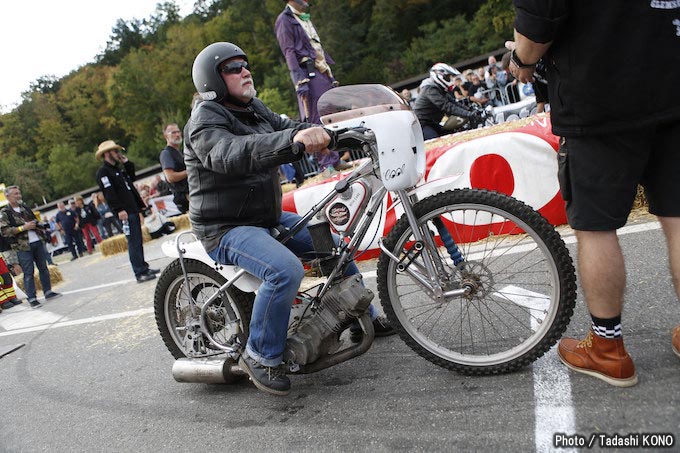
column 640, row 198
column 114, row 245
column 118, row 243
column 146, row 236
column 288, row 187
column 55, row 277
column 181, row 222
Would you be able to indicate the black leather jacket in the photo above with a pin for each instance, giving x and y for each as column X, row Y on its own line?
column 232, row 158
column 433, row 103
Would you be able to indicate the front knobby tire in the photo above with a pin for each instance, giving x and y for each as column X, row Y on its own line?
column 523, row 280
column 226, row 318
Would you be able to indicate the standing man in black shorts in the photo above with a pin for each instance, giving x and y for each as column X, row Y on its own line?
column 172, row 163
column 613, row 137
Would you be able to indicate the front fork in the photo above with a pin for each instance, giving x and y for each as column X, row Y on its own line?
column 429, row 275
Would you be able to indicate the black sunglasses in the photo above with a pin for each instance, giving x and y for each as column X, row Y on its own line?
column 234, row 67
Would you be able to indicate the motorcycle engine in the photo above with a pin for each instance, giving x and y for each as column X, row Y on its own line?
column 340, row 306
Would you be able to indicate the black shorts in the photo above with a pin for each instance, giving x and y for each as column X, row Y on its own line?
column 599, row 175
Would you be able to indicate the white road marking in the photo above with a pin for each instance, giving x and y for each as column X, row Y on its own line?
column 92, row 288
column 24, row 316
column 75, row 322
column 553, row 406
column 525, row 298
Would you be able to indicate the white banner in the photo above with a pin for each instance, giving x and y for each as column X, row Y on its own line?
column 165, row 205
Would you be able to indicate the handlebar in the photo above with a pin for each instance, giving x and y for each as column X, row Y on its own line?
column 297, row 148
column 354, row 137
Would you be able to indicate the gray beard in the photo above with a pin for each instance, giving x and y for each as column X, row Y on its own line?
column 250, row 92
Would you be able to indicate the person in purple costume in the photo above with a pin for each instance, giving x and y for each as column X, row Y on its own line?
column 308, row 63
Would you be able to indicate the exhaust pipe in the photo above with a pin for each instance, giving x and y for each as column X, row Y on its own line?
column 207, row 371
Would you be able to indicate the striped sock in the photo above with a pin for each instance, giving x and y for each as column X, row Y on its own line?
column 607, row 328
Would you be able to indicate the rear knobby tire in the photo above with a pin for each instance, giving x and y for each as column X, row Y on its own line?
column 525, row 285
column 172, row 311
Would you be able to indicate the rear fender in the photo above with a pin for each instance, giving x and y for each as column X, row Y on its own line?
column 193, row 249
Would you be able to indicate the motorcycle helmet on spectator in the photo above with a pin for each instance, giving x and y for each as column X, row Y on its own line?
column 443, row 75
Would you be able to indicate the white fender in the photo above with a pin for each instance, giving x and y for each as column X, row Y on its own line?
column 435, row 186
column 194, row 250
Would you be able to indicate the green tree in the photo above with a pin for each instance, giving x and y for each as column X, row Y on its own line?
column 29, row 176
column 70, row 172
column 143, row 77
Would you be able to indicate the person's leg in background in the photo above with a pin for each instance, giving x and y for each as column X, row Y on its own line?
column 69, row 239
column 38, row 252
column 136, row 249
column 662, row 187
column 26, row 262
column 88, row 240
column 78, row 239
column 92, row 229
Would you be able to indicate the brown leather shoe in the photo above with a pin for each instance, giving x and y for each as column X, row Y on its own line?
column 676, row 340
column 599, row 357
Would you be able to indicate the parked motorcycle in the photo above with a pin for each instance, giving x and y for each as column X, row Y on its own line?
column 472, row 280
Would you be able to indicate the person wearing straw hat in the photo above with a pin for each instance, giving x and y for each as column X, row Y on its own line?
column 124, row 201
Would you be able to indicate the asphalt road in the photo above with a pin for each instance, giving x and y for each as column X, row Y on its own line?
column 94, row 375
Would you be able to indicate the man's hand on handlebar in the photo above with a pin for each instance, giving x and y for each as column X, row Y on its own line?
column 314, row 138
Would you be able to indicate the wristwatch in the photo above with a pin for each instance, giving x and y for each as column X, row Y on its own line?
column 515, row 59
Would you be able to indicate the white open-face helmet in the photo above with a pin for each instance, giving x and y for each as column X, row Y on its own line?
column 443, row 75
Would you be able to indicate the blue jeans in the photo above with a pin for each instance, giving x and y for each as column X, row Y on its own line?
column 277, row 265
column 135, row 245
column 26, row 259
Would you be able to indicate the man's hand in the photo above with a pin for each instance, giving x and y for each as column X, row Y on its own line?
column 16, row 269
column 529, row 52
column 120, row 157
column 30, row 225
column 314, row 138
column 123, row 215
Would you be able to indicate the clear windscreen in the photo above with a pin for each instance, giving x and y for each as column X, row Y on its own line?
column 356, row 97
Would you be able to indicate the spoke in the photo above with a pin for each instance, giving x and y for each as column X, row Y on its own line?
column 502, row 307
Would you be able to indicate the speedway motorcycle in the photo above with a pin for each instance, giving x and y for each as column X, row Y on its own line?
column 472, row 280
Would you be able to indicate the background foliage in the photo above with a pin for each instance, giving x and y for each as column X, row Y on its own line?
column 143, row 77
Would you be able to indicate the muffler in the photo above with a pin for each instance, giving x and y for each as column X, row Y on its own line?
column 207, row 371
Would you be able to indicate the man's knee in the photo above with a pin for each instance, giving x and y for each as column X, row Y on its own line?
column 288, row 272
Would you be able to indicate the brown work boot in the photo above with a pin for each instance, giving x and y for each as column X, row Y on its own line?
column 676, row 340
column 603, row 358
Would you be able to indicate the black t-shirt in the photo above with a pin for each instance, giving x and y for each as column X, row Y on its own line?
column 67, row 219
column 172, row 159
column 475, row 88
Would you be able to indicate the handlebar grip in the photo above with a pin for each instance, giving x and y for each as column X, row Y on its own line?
column 334, row 137
column 298, row 148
